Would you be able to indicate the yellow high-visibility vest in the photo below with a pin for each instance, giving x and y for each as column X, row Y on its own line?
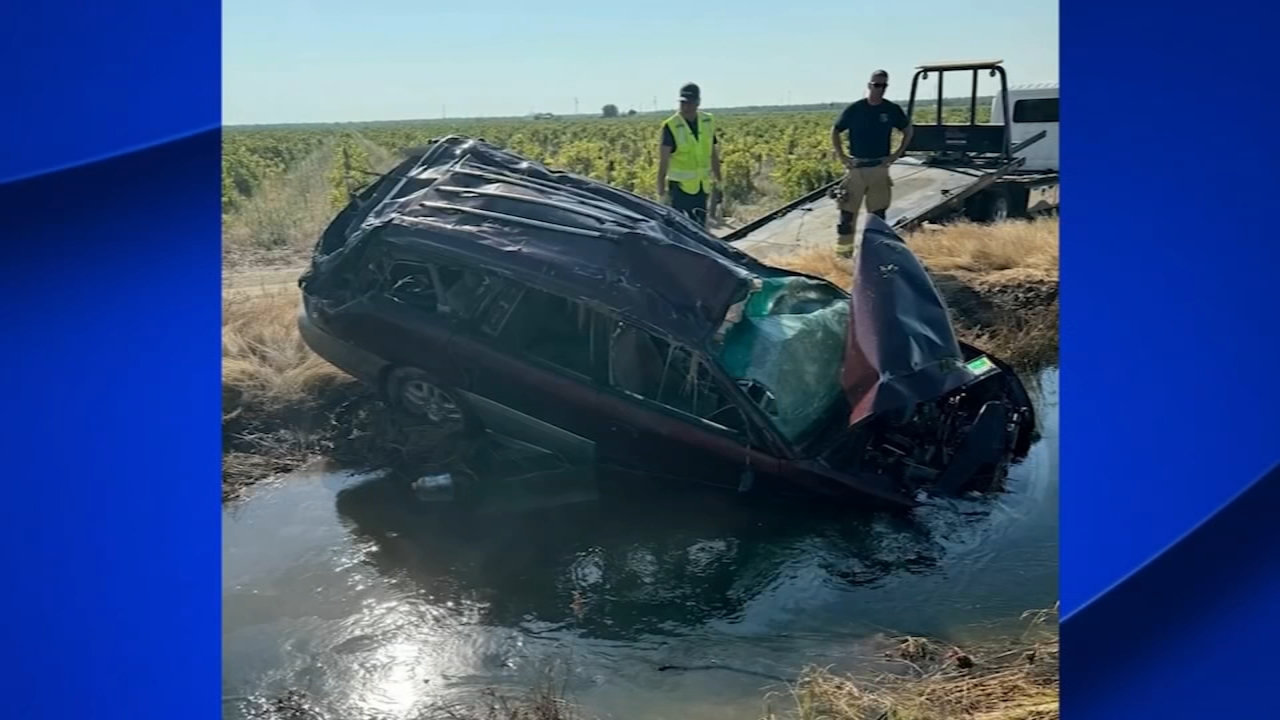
column 690, row 164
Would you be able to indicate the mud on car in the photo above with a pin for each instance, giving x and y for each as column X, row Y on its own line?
column 472, row 286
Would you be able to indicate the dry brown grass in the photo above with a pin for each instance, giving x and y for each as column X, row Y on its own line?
column 284, row 406
column 265, row 363
column 1030, row 247
column 1000, row 282
column 1013, row 251
column 1014, row 680
column 275, row 391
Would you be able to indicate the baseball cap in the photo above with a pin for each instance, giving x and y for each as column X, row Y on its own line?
column 690, row 93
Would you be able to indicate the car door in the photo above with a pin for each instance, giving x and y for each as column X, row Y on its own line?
column 667, row 413
column 405, row 319
column 530, row 361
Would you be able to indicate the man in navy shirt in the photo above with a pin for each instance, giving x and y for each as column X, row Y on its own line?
column 869, row 123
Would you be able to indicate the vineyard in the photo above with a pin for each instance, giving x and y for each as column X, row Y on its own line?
column 280, row 184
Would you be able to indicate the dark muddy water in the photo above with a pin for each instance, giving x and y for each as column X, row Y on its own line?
column 375, row 605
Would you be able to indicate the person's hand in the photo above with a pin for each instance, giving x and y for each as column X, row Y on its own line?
column 847, row 162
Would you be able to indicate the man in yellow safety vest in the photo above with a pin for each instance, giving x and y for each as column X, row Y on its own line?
column 689, row 157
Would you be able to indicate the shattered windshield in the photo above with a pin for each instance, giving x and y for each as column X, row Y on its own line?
column 787, row 350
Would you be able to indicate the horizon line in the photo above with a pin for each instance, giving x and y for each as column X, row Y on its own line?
column 533, row 114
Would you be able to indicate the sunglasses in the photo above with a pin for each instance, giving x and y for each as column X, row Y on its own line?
column 879, row 86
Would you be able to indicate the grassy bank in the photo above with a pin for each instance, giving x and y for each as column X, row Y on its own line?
column 277, row 396
column 1008, row 679
column 283, row 405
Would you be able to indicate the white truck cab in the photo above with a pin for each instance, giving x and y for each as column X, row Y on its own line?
column 1035, row 108
column 1032, row 189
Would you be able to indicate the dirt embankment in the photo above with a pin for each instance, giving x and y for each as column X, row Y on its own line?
column 283, row 406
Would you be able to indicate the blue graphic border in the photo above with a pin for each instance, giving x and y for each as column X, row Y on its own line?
column 109, row 188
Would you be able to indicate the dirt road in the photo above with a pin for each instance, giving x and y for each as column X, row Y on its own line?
column 260, row 282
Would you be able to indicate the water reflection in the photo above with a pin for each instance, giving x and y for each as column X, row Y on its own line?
column 647, row 558
column 376, row 604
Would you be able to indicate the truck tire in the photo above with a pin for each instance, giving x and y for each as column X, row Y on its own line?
column 990, row 205
column 987, row 206
column 997, row 204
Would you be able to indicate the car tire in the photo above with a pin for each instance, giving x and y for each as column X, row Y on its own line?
column 415, row 393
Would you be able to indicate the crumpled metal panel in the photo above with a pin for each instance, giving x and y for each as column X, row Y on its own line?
column 468, row 199
column 901, row 348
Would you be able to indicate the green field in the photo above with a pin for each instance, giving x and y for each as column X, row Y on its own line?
column 770, row 156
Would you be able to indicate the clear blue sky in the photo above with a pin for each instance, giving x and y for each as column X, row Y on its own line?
column 331, row 60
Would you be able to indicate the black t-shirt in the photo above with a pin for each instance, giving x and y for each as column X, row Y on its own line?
column 870, row 127
column 669, row 140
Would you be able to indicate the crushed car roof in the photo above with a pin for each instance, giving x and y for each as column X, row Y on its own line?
column 464, row 198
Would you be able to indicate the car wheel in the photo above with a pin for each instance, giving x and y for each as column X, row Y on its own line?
column 415, row 393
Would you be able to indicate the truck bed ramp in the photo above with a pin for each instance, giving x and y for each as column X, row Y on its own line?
column 919, row 192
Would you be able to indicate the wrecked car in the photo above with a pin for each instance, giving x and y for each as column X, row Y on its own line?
column 475, row 288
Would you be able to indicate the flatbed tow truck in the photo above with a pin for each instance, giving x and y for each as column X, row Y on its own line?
column 984, row 171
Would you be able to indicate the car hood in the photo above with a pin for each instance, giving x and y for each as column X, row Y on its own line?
column 901, row 348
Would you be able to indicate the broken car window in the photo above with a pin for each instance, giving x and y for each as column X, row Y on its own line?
column 787, row 350
column 670, row 375
column 548, row 327
column 412, row 284
column 435, row 288
column 500, row 307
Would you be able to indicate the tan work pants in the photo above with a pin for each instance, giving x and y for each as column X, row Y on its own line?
column 868, row 184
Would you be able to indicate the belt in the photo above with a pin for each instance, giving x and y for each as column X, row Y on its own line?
column 865, row 162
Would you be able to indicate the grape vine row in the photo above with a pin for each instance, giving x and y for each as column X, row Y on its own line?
column 769, row 157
